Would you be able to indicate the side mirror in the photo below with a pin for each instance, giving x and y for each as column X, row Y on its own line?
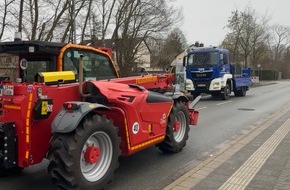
column 184, row 63
column 222, row 57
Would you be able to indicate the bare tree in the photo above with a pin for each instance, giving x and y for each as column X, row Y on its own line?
column 34, row 17
column 259, row 38
column 49, row 19
column 247, row 37
column 232, row 38
column 40, row 19
column 140, row 20
column 55, row 20
column 280, row 38
column 279, row 48
column 124, row 21
column 20, row 15
column 285, row 66
column 97, row 19
column 174, row 44
column 86, row 21
column 4, row 14
column 107, row 10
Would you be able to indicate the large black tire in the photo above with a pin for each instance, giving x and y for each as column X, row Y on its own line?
column 225, row 94
column 87, row 157
column 175, row 138
column 241, row 93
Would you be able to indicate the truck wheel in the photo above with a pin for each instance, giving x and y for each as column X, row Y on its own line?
column 87, row 157
column 241, row 93
column 177, row 129
column 225, row 94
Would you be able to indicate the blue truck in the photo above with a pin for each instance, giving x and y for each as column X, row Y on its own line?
column 209, row 71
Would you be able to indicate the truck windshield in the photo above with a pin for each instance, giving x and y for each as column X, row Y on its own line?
column 203, row 59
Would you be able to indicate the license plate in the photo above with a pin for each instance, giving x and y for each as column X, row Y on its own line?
column 7, row 90
column 201, row 85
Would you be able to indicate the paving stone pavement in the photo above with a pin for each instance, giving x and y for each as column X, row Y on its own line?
column 259, row 159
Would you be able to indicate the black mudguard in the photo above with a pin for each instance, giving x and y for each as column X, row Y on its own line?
column 68, row 120
column 177, row 96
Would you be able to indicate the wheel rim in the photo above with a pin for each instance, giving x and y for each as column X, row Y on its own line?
column 95, row 168
column 181, row 121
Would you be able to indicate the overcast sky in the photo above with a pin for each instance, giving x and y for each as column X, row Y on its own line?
column 205, row 20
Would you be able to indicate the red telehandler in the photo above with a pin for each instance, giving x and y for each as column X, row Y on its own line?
column 66, row 103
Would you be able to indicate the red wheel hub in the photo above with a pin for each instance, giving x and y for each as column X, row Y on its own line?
column 92, row 154
column 176, row 126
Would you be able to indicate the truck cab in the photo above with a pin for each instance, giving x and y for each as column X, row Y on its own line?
column 210, row 71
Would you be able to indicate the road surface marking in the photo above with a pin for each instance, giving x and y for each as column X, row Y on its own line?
column 223, row 103
column 201, row 108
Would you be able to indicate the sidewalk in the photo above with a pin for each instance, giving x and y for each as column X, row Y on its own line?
column 259, row 159
column 265, row 82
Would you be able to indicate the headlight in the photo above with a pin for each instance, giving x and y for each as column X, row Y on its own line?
column 188, row 85
column 216, row 85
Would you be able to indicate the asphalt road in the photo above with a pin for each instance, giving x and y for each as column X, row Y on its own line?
column 150, row 169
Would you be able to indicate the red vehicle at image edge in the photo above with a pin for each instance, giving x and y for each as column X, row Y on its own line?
column 66, row 103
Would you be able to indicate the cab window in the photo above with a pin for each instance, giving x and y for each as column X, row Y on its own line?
column 35, row 65
column 96, row 66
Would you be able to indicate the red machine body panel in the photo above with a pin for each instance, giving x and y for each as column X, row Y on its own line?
column 34, row 134
column 141, row 115
column 150, row 81
column 147, row 117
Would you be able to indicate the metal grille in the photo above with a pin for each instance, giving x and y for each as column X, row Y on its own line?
column 201, row 74
column 201, row 84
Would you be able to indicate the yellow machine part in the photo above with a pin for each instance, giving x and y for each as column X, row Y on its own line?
column 56, row 77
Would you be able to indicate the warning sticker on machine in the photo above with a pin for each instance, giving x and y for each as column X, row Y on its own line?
column 146, row 80
column 135, row 128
